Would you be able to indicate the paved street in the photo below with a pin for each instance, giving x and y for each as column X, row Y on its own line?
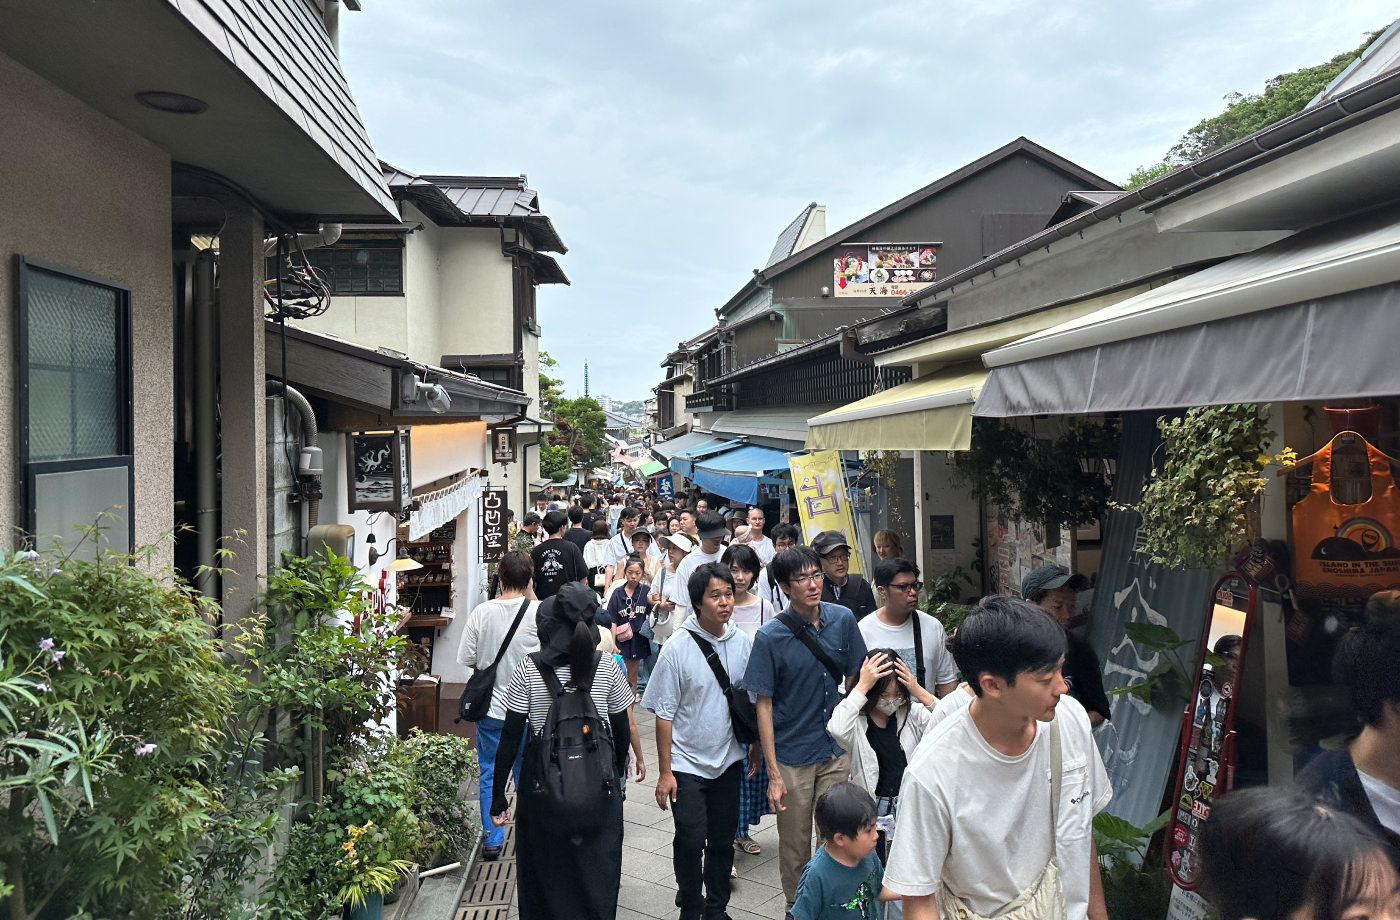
column 648, row 890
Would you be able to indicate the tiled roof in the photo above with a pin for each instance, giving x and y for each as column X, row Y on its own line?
column 788, row 238
column 458, row 200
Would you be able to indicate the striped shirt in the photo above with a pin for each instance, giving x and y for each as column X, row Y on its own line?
column 528, row 693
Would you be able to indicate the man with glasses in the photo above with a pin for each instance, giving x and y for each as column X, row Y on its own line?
column 785, row 537
column 914, row 635
column 840, row 585
column 799, row 662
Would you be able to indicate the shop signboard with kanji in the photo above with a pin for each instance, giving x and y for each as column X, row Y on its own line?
column 494, row 533
column 883, row 269
column 823, row 502
column 665, row 487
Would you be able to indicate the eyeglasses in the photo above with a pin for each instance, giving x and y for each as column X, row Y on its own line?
column 915, row 586
column 806, row 578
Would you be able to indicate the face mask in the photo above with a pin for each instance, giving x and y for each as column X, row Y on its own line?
column 888, row 706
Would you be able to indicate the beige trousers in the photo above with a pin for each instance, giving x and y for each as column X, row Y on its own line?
column 804, row 785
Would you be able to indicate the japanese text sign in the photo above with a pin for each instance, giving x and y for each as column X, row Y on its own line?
column 493, row 525
column 822, row 500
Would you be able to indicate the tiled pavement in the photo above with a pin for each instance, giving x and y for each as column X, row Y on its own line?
column 648, row 888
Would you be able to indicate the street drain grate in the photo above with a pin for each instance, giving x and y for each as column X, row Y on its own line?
column 485, row 912
column 493, row 885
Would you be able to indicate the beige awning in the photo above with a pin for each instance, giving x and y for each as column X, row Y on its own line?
column 930, row 413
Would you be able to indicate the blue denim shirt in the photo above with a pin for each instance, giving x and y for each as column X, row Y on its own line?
column 803, row 693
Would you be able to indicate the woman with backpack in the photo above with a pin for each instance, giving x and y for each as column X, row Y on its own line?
column 569, row 808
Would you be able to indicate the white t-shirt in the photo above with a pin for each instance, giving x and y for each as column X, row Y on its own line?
column 1385, row 801
column 954, row 702
column 750, row 617
column 939, row 667
column 979, row 821
column 678, row 589
column 482, row 635
column 763, row 546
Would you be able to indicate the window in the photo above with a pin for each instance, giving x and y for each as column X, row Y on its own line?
column 75, row 404
column 359, row 266
column 502, row 376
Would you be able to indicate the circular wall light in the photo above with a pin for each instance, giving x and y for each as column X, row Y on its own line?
column 174, row 103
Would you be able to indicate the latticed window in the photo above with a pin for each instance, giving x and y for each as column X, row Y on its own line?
column 362, row 266
column 75, row 403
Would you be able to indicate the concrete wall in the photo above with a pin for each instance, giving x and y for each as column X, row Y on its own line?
column 81, row 192
column 476, row 295
column 942, row 495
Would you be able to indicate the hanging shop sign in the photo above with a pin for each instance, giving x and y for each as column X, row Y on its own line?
column 502, row 445
column 665, row 487
column 883, row 269
column 1206, row 760
column 377, row 470
column 823, row 502
column 494, row 533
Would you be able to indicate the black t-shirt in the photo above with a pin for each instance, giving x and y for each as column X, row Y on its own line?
column 557, row 562
column 856, row 596
column 589, row 518
column 1085, row 676
column 578, row 537
column 888, row 754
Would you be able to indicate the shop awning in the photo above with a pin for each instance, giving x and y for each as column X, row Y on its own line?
column 785, row 429
column 737, row 474
column 668, row 449
column 684, row 460
column 1304, row 319
column 652, row 468
column 930, row 413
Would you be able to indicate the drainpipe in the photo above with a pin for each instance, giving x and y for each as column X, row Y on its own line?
column 310, row 465
column 206, row 434
column 325, row 236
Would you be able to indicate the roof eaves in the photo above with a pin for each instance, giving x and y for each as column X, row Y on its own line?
column 1369, row 100
column 1019, row 145
column 805, row 350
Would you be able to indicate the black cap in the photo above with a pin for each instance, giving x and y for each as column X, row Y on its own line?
column 828, row 540
column 1050, row 577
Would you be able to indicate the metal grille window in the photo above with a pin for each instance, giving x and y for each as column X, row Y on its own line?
column 75, row 403
column 362, row 267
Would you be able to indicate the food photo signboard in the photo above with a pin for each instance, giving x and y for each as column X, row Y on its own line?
column 883, row 269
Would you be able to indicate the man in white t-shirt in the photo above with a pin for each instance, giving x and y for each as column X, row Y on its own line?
column 974, row 809
column 892, row 626
column 483, row 638
column 711, row 533
column 756, row 539
column 785, row 537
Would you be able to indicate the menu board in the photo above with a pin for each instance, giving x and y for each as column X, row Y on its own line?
column 883, row 269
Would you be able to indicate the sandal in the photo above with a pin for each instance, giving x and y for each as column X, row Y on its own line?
column 733, row 871
column 748, row 845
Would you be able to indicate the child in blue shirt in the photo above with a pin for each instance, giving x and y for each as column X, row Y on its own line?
column 843, row 879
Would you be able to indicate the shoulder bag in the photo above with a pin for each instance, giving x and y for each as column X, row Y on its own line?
column 662, row 624
column 798, row 627
column 1045, row 898
column 743, row 717
column 475, row 701
column 918, row 649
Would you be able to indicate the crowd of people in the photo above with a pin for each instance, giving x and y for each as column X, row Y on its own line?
column 945, row 776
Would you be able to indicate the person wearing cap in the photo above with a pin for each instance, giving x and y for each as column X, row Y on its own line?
column 620, row 547
column 1054, row 589
column 839, row 584
column 676, row 546
column 644, row 546
column 711, row 533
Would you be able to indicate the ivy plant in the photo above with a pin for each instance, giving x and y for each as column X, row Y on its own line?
column 1194, row 507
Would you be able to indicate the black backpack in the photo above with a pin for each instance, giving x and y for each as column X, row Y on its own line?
column 568, row 770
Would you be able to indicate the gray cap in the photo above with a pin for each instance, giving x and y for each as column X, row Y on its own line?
column 828, row 540
column 1050, row 577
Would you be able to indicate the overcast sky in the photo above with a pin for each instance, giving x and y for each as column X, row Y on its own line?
column 671, row 140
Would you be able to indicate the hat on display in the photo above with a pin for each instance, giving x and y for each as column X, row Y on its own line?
column 681, row 540
column 828, row 540
column 1050, row 577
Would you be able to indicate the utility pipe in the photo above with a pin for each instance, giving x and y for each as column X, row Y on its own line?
column 325, row 236
column 206, row 435
column 309, row 433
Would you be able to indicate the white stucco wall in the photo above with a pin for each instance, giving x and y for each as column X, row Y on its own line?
column 475, row 297
column 441, row 450
column 81, row 192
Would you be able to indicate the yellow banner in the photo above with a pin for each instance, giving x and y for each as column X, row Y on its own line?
column 822, row 500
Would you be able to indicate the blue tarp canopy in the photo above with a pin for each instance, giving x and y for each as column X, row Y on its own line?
column 737, row 474
column 684, row 460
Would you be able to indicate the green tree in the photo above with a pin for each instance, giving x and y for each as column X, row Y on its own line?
column 1245, row 113
column 579, row 425
column 551, row 388
column 556, row 462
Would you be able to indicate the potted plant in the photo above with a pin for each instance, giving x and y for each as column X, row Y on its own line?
column 367, row 870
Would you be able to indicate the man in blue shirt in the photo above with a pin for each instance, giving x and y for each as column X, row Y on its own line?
column 796, row 693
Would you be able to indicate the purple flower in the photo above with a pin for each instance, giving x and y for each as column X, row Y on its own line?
column 32, row 556
column 45, row 644
column 56, row 571
column 57, row 657
column 145, row 749
column 42, row 687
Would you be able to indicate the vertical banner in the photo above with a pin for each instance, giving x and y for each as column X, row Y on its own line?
column 665, row 487
column 1139, row 742
column 822, row 500
column 493, row 525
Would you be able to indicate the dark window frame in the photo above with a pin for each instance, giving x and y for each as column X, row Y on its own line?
column 123, row 359
column 351, row 245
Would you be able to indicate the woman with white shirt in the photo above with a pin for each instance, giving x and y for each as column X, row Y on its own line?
column 750, row 612
column 880, row 722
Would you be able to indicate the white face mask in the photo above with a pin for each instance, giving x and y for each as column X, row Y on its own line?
column 888, row 706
